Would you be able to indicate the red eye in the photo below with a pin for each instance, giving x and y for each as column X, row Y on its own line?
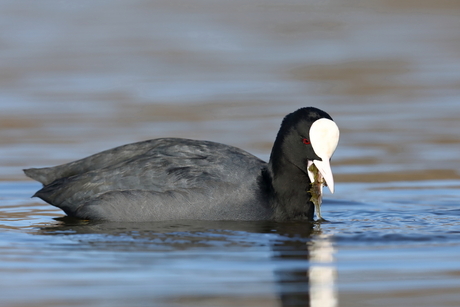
column 306, row 141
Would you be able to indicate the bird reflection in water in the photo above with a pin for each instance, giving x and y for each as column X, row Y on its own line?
column 322, row 273
column 302, row 256
column 307, row 274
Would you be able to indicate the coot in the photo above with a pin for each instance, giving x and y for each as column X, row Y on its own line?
column 174, row 178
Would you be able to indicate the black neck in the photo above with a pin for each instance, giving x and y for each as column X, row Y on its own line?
column 290, row 186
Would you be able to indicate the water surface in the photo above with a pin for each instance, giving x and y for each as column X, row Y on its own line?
column 77, row 78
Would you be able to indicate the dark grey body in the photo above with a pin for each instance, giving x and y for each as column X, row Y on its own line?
column 161, row 179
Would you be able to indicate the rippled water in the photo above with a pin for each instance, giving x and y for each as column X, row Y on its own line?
column 80, row 77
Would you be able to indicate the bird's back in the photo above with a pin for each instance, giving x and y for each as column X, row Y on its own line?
column 159, row 179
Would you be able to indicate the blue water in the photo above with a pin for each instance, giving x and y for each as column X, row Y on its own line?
column 405, row 240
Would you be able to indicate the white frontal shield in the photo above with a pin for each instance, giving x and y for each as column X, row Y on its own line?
column 324, row 137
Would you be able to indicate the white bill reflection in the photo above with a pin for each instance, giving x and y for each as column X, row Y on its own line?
column 322, row 272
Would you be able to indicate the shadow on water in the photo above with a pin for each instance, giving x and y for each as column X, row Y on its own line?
column 300, row 254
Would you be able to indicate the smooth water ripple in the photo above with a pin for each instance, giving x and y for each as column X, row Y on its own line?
column 365, row 248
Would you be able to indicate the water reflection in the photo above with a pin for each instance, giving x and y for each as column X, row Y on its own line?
column 293, row 254
column 299, row 254
column 322, row 272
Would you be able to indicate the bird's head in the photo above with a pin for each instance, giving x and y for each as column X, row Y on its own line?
column 308, row 137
